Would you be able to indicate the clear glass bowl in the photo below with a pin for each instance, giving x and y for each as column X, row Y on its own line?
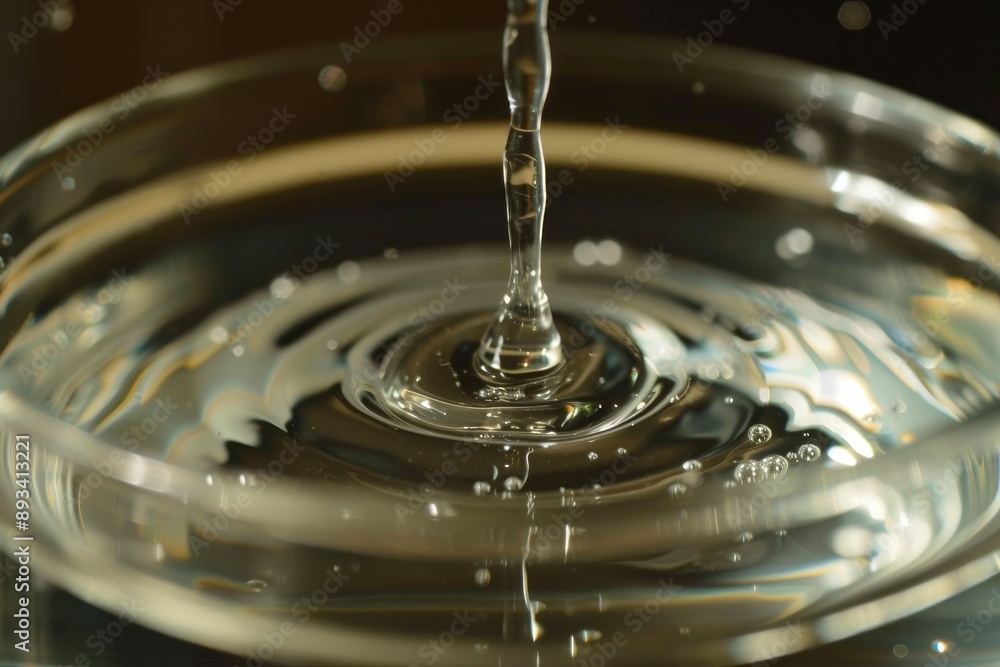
column 113, row 525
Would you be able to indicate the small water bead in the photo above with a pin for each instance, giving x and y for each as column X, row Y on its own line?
column 621, row 451
column 677, row 490
column 809, row 452
column 900, row 651
column 684, row 630
column 482, row 577
column 332, row 78
column 941, row 645
column 780, row 533
column 774, row 466
column 513, row 483
column 481, row 488
column 5, row 240
column 744, row 538
column 391, row 253
column 592, row 456
column 898, row 406
column 746, row 472
column 482, row 647
column 759, row 434
column 692, row 466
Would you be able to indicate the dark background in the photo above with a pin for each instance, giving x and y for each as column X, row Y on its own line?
column 946, row 51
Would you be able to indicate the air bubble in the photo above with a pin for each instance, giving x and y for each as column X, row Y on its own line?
column 759, row 434
column 481, row 488
column 809, row 452
column 745, row 538
column 6, row 239
column 774, row 466
column 482, row 577
column 692, row 466
column 621, row 451
column 588, row 636
column 898, row 406
column 332, row 78
column 746, row 472
column 592, row 456
column 256, row 585
column 677, row 490
column 513, row 483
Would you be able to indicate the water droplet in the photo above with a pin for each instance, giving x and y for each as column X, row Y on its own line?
column 729, row 400
column 6, row 239
column 592, row 456
column 735, row 557
column 698, row 88
column 481, row 488
column 744, row 538
column 482, row 577
column 391, row 253
column 68, row 184
column 874, row 420
column 331, row 345
column 809, row 452
column 774, row 466
column 677, row 490
column 332, row 78
column 780, row 533
column 898, row 406
column 900, row 651
column 746, row 472
column 256, row 585
column 684, row 630
column 621, row 451
column 759, row 434
column 796, row 243
column 587, row 636
column 940, row 646
column 349, row 272
column 792, row 456
column 482, row 648
column 692, row 465
column 513, row 483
